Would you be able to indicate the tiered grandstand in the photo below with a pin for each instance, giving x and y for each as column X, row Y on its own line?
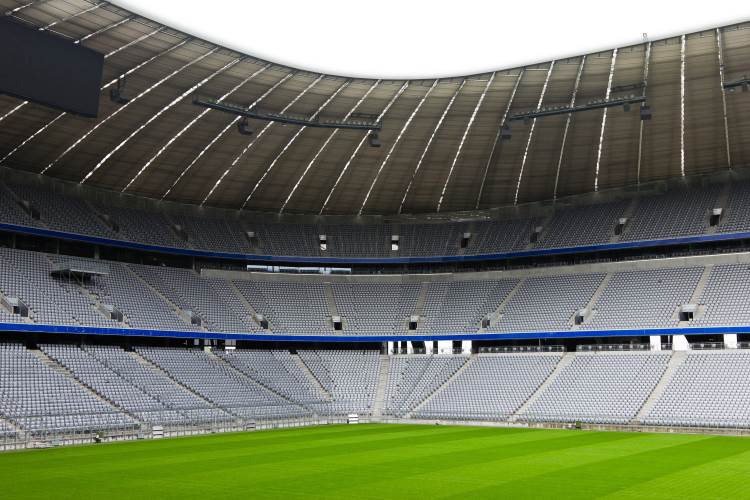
column 162, row 272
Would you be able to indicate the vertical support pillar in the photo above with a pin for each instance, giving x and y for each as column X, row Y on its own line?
column 445, row 345
column 680, row 343
column 655, row 341
column 730, row 340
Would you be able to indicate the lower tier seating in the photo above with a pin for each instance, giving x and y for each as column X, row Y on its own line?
column 65, row 389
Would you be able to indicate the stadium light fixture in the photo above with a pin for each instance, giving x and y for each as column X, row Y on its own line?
column 359, row 146
column 322, row 148
column 221, row 133
column 116, row 94
column 243, row 127
column 291, row 141
column 743, row 83
column 285, row 118
column 505, row 132
column 249, row 145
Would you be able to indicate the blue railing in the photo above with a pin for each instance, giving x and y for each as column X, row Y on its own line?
column 135, row 332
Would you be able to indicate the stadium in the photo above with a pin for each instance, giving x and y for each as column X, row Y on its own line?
column 224, row 276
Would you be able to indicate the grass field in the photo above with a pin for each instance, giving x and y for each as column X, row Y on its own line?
column 389, row 461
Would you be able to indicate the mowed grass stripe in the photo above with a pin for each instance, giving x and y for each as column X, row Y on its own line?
column 442, row 458
column 609, row 475
column 220, row 445
column 388, row 461
column 220, row 453
column 725, row 477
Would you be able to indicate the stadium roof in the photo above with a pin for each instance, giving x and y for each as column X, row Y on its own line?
column 441, row 146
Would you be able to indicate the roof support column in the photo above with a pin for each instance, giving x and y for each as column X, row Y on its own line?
column 463, row 139
column 429, row 143
column 647, row 59
column 395, row 143
column 257, row 138
column 291, row 141
column 221, row 134
column 531, row 132
column 325, row 145
column 359, row 146
column 604, row 120
column 497, row 137
column 723, row 95
column 567, row 126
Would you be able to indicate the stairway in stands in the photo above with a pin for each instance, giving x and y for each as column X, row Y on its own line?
column 566, row 360
column 153, row 366
column 310, row 375
column 448, row 382
column 58, row 367
column 678, row 357
column 384, row 375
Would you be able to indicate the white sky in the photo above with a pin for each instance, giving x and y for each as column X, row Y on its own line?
column 431, row 38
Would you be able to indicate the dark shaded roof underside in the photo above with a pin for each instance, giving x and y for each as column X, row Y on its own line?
column 160, row 145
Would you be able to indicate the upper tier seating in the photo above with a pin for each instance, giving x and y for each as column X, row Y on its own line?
column 459, row 306
column 61, row 212
column 644, row 299
column 680, row 212
column 375, row 308
column 546, row 303
column 576, row 224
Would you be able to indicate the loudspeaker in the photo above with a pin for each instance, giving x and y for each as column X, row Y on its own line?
column 645, row 112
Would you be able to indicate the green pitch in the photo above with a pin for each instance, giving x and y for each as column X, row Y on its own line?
column 389, row 461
